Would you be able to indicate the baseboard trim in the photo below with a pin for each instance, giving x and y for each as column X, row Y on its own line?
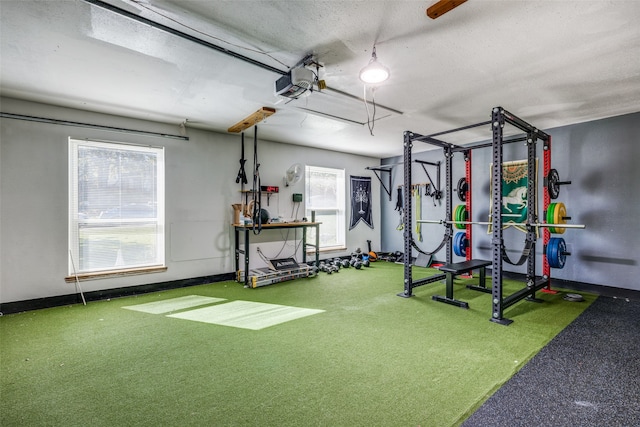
column 56, row 301
column 602, row 290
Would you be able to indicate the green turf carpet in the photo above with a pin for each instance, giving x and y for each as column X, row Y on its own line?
column 246, row 314
column 173, row 304
column 370, row 358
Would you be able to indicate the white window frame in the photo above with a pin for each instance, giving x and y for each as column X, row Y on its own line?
column 78, row 221
column 340, row 209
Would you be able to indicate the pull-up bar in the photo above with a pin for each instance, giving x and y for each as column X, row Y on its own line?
column 459, row 129
column 383, row 168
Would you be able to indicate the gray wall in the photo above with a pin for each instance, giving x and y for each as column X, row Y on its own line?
column 200, row 189
column 600, row 158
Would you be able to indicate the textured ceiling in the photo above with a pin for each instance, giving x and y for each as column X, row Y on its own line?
column 549, row 62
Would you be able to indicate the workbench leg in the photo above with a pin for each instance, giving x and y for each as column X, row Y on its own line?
column 237, row 249
column 317, row 244
column 246, row 258
column 304, row 245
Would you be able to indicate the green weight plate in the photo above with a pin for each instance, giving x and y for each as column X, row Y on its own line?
column 550, row 209
column 460, row 214
column 550, row 220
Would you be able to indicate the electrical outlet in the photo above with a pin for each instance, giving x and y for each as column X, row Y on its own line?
column 297, row 198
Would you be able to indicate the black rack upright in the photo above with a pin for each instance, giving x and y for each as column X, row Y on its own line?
column 499, row 117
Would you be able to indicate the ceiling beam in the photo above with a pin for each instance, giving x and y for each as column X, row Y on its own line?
column 252, row 120
column 442, row 7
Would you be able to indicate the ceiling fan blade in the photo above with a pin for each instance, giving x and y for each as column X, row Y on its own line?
column 442, row 7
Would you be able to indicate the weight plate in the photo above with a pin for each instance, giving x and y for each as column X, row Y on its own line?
column 463, row 217
column 552, row 183
column 460, row 243
column 559, row 214
column 556, row 249
column 562, row 250
column 550, row 220
column 462, row 189
column 460, row 214
column 457, row 249
column 573, row 297
column 552, row 252
column 551, row 259
column 465, row 244
column 550, row 210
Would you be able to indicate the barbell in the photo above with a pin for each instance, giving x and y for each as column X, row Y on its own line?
column 556, row 219
column 535, row 224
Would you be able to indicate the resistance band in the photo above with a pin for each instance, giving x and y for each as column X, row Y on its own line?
column 257, row 191
column 445, row 239
column 525, row 254
column 400, row 226
column 416, row 194
column 242, row 176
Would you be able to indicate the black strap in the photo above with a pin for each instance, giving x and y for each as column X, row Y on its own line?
column 257, row 191
column 399, row 202
column 447, row 236
column 525, row 254
column 242, row 176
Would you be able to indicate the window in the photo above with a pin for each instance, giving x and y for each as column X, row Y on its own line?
column 116, row 207
column 325, row 194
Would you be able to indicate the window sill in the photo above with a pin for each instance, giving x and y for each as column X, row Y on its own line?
column 114, row 273
column 327, row 250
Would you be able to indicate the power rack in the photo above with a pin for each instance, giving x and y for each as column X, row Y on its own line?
column 499, row 117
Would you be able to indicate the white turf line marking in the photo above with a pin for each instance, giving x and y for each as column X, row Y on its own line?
column 246, row 314
column 173, row 304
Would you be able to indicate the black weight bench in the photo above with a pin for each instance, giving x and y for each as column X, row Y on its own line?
column 458, row 268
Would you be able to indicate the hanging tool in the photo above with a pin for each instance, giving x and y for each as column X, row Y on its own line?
column 256, row 190
column 399, row 209
column 399, row 201
column 416, row 194
column 242, row 176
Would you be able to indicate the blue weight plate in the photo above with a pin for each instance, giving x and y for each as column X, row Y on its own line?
column 465, row 244
column 552, row 251
column 460, row 243
column 562, row 248
column 555, row 252
column 456, row 244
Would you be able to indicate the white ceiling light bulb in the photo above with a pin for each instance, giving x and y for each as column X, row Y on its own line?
column 374, row 72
